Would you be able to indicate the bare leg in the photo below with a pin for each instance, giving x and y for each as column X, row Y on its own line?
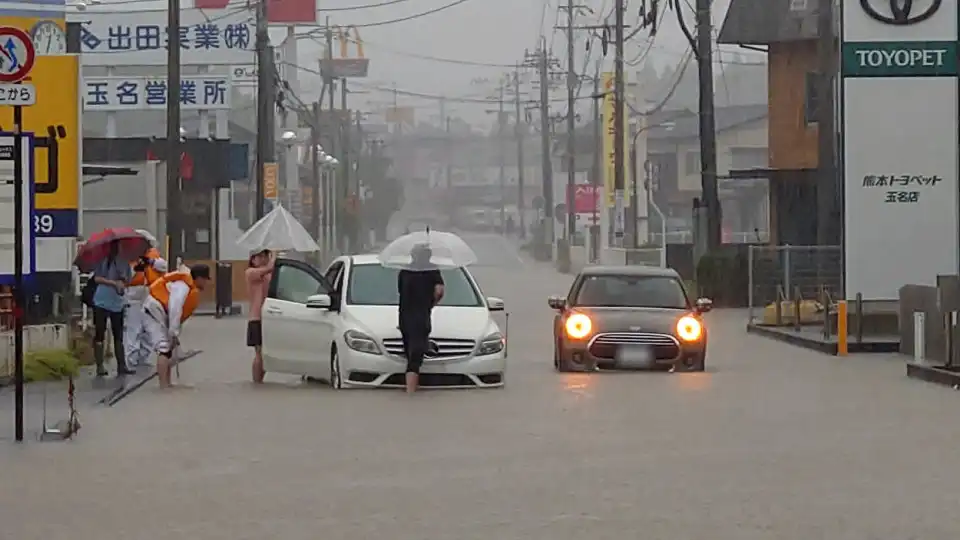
column 163, row 370
column 258, row 372
column 413, row 382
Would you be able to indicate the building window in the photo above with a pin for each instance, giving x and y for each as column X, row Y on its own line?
column 742, row 158
column 692, row 163
column 811, row 101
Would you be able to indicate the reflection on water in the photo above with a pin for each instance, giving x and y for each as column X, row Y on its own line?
column 692, row 382
column 578, row 384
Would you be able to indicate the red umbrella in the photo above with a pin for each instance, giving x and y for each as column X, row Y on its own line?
column 130, row 245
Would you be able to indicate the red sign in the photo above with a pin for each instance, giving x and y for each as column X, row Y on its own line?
column 186, row 163
column 17, row 54
column 584, row 199
column 278, row 11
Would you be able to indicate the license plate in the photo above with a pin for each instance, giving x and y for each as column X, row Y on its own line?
column 636, row 356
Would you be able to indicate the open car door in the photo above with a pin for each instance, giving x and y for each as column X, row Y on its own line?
column 297, row 320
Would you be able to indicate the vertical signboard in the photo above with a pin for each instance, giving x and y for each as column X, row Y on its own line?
column 609, row 171
column 54, row 119
column 900, row 156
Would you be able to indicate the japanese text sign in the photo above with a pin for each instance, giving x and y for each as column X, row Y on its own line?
column 126, row 39
column 209, row 92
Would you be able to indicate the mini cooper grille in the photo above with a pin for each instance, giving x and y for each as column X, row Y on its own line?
column 665, row 347
column 446, row 348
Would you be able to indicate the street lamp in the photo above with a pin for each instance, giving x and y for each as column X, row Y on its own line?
column 288, row 136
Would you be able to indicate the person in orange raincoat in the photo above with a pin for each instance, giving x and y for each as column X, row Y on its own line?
column 147, row 269
column 172, row 300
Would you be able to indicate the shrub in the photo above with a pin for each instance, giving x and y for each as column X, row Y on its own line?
column 49, row 365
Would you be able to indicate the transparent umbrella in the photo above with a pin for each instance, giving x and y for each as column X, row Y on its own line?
column 278, row 231
column 427, row 250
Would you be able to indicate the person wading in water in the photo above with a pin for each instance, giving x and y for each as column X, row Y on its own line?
column 258, row 276
column 420, row 289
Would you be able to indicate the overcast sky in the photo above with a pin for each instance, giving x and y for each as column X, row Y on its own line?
column 481, row 31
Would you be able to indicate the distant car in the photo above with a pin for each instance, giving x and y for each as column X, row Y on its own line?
column 340, row 326
column 629, row 316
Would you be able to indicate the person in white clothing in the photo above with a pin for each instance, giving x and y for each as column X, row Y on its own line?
column 147, row 269
column 171, row 301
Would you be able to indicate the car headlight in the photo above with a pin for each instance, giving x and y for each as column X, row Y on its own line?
column 361, row 342
column 491, row 344
column 578, row 326
column 689, row 328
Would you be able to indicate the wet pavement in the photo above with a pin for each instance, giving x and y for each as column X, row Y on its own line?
column 772, row 442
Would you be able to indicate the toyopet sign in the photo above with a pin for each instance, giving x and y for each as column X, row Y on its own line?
column 900, row 144
column 140, row 38
column 205, row 92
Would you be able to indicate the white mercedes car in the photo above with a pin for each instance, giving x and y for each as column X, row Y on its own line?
column 340, row 326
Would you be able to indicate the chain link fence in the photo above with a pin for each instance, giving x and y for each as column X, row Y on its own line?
column 795, row 284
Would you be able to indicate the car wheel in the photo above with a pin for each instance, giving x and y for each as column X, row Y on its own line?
column 559, row 363
column 695, row 363
column 336, row 382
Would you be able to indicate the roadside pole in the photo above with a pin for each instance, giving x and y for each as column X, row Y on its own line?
column 16, row 67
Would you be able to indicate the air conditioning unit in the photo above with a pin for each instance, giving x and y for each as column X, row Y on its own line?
column 798, row 6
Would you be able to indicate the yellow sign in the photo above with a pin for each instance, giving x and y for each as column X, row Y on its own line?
column 609, row 159
column 55, row 122
column 270, row 190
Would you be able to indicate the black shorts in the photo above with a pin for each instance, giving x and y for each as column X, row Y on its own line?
column 254, row 333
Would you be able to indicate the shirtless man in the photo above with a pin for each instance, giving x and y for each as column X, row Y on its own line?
column 258, row 275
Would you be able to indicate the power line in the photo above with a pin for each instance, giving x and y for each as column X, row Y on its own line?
column 415, row 16
column 423, row 95
column 454, row 61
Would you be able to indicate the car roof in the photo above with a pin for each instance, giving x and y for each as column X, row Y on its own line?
column 371, row 258
column 632, row 270
column 366, row 258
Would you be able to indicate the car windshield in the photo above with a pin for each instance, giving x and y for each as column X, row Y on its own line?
column 631, row 291
column 375, row 285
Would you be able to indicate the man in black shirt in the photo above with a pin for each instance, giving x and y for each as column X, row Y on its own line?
column 420, row 289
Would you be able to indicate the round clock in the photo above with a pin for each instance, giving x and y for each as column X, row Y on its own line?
column 49, row 38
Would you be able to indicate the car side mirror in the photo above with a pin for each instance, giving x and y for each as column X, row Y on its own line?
column 495, row 304
column 556, row 302
column 704, row 305
column 319, row 301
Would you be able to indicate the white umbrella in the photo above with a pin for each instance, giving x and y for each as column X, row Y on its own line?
column 278, row 231
column 427, row 250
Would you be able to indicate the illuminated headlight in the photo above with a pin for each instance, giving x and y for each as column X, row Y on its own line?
column 689, row 329
column 361, row 342
column 491, row 344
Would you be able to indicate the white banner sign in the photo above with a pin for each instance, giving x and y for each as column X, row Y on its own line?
column 210, row 92
column 140, row 39
column 900, row 145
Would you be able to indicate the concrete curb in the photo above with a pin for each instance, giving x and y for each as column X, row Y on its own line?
column 128, row 389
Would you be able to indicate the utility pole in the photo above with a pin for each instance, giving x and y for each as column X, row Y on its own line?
column 827, row 185
column 503, row 164
column 597, row 169
column 519, row 132
column 265, row 88
column 708, row 131
column 546, row 165
column 331, row 191
column 315, row 173
column 174, row 227
column 572, row 82
column 619, row 121
column 345, row 191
